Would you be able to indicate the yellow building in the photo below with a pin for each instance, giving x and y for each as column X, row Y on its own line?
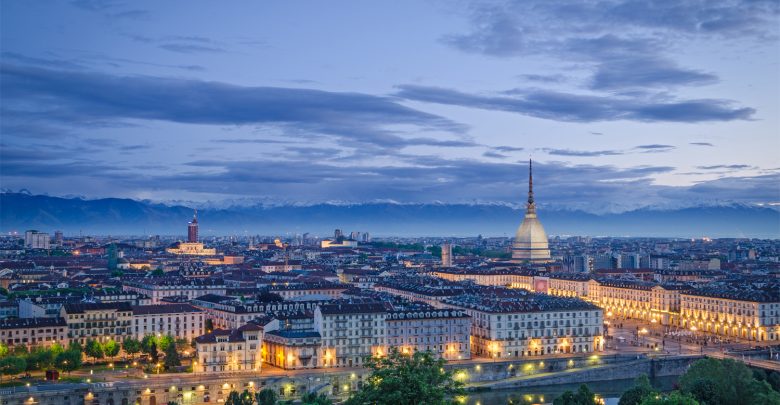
column 191, row 249
column 744, row 314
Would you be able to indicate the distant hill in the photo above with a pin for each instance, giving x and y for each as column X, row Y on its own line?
column 19, row 211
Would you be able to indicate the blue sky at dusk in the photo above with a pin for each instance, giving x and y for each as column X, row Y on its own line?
column 621, row 104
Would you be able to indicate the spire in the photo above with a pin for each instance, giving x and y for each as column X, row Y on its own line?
column 530, row 183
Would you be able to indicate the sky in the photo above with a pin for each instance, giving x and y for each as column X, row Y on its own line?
column 621, row 104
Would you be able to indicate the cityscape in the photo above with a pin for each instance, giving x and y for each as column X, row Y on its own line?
column 264, row 203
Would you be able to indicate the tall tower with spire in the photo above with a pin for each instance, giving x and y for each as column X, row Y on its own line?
column 531, row 244
column 192, row 229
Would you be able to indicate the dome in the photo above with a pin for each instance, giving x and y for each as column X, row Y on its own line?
column 530, row 240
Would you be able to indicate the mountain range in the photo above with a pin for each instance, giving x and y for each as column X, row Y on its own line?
column 115, row 216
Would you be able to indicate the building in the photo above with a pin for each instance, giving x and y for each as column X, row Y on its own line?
column 158, row 288
column 512, row 278
column 446, row 255
column 99, row 321
column 291, row 342
column 33, row 332
column 182, row 321
column 350, row 332
column 36, row 240
column 444, row 332
column 531, row 244
column 517, row 323
column 192, row 229
column 741, row 313
column 229, row 350
column 192, row 247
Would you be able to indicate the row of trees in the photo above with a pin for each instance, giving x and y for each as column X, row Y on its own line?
column 269, row 397
column 19, row 359
column 711, row 382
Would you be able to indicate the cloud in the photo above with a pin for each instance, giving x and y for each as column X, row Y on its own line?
column 582, row 153
column 191, row 48
column 582, row 108
column 646, row 72
column 715, row 167
column 86, row 97
column 554, row 78
column 490, row 154
column 508, row 149
column 701, row 144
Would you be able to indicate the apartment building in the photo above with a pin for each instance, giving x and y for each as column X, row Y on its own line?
column 98, row 321
column 182, row 321
column 229, row 350
column 33, row 332
column 742, row 313
column 444, row 332
column 350, row 332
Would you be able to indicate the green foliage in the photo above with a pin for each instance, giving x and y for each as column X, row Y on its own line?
column 76, row 346
column 68, row 360
column 56, row 349
column 712, row 381
column 20, row 350
column 3, row 350
column 40, row 359
column 132, row 346
column 172, row 357
column 675, row 398
column 12, row 365
column 406, row 379
column 583, row 396
column 312, row 398
column 637, row 393
column 158, row 272
column 774, row 380
column 94, row 349
column 209, row 325
column 244, row 398
column 111, row 348
column 165, row 341
column 266, row 396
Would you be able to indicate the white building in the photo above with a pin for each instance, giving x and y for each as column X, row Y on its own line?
column 182, row 321
column 350, row 332
column 229, row 350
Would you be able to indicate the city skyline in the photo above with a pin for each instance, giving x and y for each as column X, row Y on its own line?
column 622, row 106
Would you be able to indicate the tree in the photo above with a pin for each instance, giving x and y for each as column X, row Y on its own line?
column 172, row 357
column 312, row 398
column 675, row 398
column 726, row 381
column 3, row 350
column 40, row 359
column 131, row 346
column 20, row 350
column 244, row 398
column 209, row 325
column 12, row 365
column 56, row 349
column 583, row 396
column 94, row 349
column 68, row 360
column 637, row 393
column 164, row 341
column 111, row 348
column 403, row 379
column 266, row 396
column 153, row 353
